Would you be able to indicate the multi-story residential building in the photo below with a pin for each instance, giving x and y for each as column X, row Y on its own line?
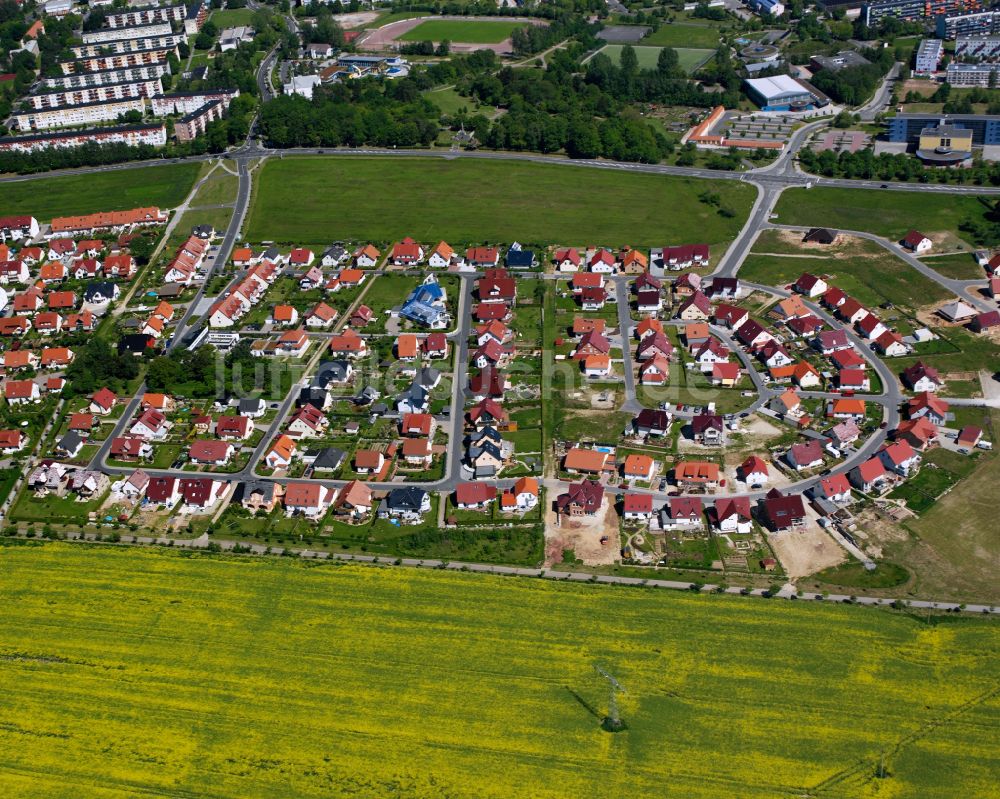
column 929, row 55
column 116, row 61
column 131, row 32
column 971, row 74
column 189, row 102
column 60, row 98
column 72, row 115
column 910, row 10
column 167, row 42
column 982, row 23
column 146, row 15
column 132, row 135
column 192, row 125
column 87, row 79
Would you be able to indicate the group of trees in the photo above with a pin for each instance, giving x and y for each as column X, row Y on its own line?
column 96, row 365
column 854, row 85
column 426, row 47
column 194, row 370
column 326, row 30
column 352, row 114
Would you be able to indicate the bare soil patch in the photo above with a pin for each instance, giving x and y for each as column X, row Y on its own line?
column 583, row 535
column 806, row 552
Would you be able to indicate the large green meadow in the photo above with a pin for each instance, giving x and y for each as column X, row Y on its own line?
column 310, row 198
column 165, row 186
column 153, row 673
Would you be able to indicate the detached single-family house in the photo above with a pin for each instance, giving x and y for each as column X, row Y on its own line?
column 869, row 475
column 732, row 515
column 916, row 242
column 805, row 455
column 521, row 497
column 921, row 377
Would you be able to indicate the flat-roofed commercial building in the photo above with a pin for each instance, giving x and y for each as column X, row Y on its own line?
column 784, row 93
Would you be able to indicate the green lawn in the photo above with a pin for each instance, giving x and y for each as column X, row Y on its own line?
column 464, row 31
column 690, row 59
column 881, row 212
column 159, row 673
column 220, row 188
column 684, row 35
column 232, row 17
column 466, row 201
column 449, row 101
column 164, row 186
column 871, row 279
column 959, row 266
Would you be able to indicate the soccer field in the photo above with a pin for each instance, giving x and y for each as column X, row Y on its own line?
column 462, row 31
column 164, row 186
column 472, row 201
column 689, row 59
column 154, row 673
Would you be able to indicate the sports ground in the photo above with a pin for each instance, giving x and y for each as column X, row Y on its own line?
column 152, row 673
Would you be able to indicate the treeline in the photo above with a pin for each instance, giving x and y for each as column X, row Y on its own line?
column 854, row 85
column 349, row 114
column 865, row 165
column 68, row 158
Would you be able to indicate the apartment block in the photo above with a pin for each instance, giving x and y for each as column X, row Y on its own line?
column 129, row 46
column 60, row 98
column 147, row 15
column 194, row 124
column 132, row 135
column 133, row 32
column 84, row 80
column 83, row 114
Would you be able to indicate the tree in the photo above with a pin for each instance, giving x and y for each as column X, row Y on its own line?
column 628, row 60
column 667, row 61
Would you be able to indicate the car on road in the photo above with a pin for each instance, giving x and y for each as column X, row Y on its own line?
column 884, row 186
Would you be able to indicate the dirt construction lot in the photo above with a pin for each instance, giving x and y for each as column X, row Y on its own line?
column 583, row 535
column 805, row 552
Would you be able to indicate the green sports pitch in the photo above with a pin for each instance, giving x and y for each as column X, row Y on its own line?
column 690, row 58
column 462, row 31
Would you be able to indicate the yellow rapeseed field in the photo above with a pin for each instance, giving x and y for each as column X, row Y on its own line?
column 140, row 673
